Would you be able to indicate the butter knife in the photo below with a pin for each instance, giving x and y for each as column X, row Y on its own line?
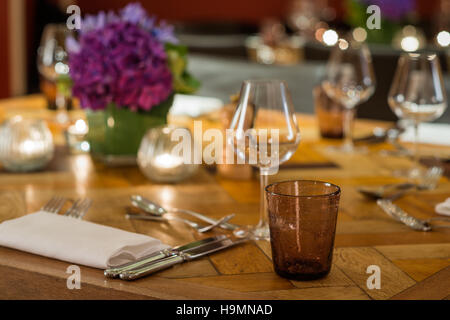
column 115, row 272
column 399, row 214
column 179, row 258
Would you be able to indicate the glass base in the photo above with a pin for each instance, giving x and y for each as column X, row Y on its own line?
column 302, row 276
column 259, row 232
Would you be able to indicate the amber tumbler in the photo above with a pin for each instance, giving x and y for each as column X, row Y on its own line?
column 302, row 218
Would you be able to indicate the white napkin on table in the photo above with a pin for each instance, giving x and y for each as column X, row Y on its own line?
column 76, row 241
column 443, row 208
column 432, row 133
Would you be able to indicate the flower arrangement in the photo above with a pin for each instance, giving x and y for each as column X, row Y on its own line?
column 394, row 14
column 125, row 69
column 127, row 59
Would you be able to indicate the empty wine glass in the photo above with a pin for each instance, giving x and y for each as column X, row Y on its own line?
column 264, row 134
column 349, row 80
column 418, row 94
column 53, row 65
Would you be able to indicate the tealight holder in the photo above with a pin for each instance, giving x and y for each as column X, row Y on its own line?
column 25, row 144
column 160, row 157
column 76, row 137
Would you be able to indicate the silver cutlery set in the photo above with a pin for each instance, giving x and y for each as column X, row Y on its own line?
column 163, row 259
column 395, row 191
column 386, row 194
column 167, row 258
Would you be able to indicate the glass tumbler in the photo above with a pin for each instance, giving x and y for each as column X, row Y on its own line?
column 302, row 219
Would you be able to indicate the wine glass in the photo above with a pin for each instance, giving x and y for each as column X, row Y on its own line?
column 417, row 94
column 264, row 123
column 349, row 80
column 53, row 65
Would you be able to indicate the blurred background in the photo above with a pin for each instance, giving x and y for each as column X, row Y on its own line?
column 230, row 41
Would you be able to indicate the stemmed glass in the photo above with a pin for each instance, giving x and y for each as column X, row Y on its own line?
column 264, row 134
column 53, row 65
column 418, row 94
column 349, row 80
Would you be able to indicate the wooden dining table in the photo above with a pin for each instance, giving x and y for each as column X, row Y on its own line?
column 412, row 264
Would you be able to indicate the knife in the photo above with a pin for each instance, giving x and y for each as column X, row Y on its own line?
column 179, row 258
column 115, row 272
column 399, row 214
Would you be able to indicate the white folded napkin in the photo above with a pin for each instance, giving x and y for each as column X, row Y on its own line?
column 76, row 241
column 443, row 208
column 194, row 106
column 432, row 133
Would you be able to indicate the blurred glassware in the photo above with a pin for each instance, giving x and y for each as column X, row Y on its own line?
column 53, row 67
column 306, row 16
column 418, row 94
column 287, row 51
column 76, row 137
column 265, row 106
column 25, row 144
column 349, row 80
column 157, row 159
column 330, row 115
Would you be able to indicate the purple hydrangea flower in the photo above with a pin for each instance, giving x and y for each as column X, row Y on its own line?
column 393, row 10
column 117, row 60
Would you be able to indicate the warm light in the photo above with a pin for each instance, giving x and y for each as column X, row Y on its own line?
column 61, row 68
column 29, row 147
column 410, row 43
column 319, row 34
column 85, row 146
column 360, row 34
column 80, row 126
column 443, row 38
column 343, row 44
column 330, row 37
column 167, row 161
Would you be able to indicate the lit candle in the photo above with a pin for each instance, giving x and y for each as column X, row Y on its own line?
column 80, row 128
column 167, row 161
column 30, row 148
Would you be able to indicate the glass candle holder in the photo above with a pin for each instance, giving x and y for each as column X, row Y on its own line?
column 25, row 145
column 302, row 220
column 76, row 137
column 159, row 160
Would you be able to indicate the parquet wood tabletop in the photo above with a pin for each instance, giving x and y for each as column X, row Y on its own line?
column 414, row 265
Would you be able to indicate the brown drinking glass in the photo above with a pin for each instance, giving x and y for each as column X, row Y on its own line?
column 302, row 219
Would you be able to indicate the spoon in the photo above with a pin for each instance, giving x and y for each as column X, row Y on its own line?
column 155, row 209
column 192, row 224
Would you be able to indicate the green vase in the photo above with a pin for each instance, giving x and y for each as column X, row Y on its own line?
column 115, row 134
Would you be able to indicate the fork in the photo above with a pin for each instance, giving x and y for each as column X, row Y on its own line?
column 54, row 205
column 79, row 208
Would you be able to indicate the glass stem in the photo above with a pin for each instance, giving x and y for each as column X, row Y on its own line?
column 416, row 157
column 263, row 215
column 349, row 115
